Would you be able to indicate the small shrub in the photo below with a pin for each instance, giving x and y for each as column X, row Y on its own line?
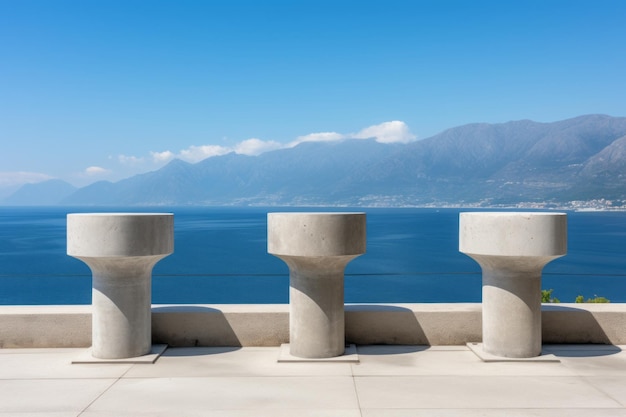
column 596, row 299
column 546, row 297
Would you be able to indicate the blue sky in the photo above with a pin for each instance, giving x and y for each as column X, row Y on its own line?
column 93, row 90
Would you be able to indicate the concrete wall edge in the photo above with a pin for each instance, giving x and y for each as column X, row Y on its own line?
column 62, row 326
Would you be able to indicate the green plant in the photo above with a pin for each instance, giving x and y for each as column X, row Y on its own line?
column 546, row 297
column 596, row 299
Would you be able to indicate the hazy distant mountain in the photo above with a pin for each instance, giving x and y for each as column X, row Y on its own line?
column 520, row 161
column 511, row 162
column 308, row 173
column 43, row 193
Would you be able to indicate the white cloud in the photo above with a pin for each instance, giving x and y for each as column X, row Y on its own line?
column 128, row 165
column 93, row 171
column 256, row 146
column 129, row 160
column 388, row 132
column 317, row 137
column 10, row 179
column 198, row 153
column 164, row 156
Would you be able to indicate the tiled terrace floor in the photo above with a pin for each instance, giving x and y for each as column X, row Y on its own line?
column 393, row 381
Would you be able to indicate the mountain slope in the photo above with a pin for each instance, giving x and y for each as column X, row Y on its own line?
column 43, row 193
column 579, row 158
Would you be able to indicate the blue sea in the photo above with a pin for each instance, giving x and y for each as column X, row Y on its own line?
column 220, row 256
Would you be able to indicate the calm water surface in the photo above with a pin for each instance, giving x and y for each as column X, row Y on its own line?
column 221, row 257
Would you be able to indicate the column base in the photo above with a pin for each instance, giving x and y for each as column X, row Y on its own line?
column 350, row 356
column 155, row 353
column 477, row 348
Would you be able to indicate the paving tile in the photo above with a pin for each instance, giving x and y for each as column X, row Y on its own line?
column 390, row 381
column 228, row 413
column 41, row 414
column 590, row 360
column 479, row 392
column 52, row 363
column 86, row 357
column 50, row 395
column 506, row 412
column 596, row 348
column 253, row 361
column 478, row 349
column 39, row 351
column 407, row 360
column 614, row 386
column 591, row 366
column 194, row 395
column 349, row 356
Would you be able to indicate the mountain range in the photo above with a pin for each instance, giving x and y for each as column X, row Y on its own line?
column 582, row 158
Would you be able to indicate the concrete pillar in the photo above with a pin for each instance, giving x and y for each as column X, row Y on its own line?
column 316, row 247
column 512, row 249
column 121, row 249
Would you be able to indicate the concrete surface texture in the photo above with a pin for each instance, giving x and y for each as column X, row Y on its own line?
column 212, row 325
column 316, row 247
column 512, row 249
column 390, row 381
column 120, row 249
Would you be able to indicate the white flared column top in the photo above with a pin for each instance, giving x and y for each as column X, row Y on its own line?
column 120, row 234
column 316, row 234
column 516, row 234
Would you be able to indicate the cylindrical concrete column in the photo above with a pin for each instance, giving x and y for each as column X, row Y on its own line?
column 121, row 249
column 512, row 248
column 316, row 247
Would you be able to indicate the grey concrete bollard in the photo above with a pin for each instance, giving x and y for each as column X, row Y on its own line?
column 316, row 247
column 120, row 249
column 512, row 249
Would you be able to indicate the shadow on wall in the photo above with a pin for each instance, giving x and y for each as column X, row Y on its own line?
column 426, row 325
column 412, row 325
column 192, row 326
column 383, row 325
column 199, row 326
column 570, row 325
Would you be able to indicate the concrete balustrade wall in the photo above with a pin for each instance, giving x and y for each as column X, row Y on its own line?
column 268, row 325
